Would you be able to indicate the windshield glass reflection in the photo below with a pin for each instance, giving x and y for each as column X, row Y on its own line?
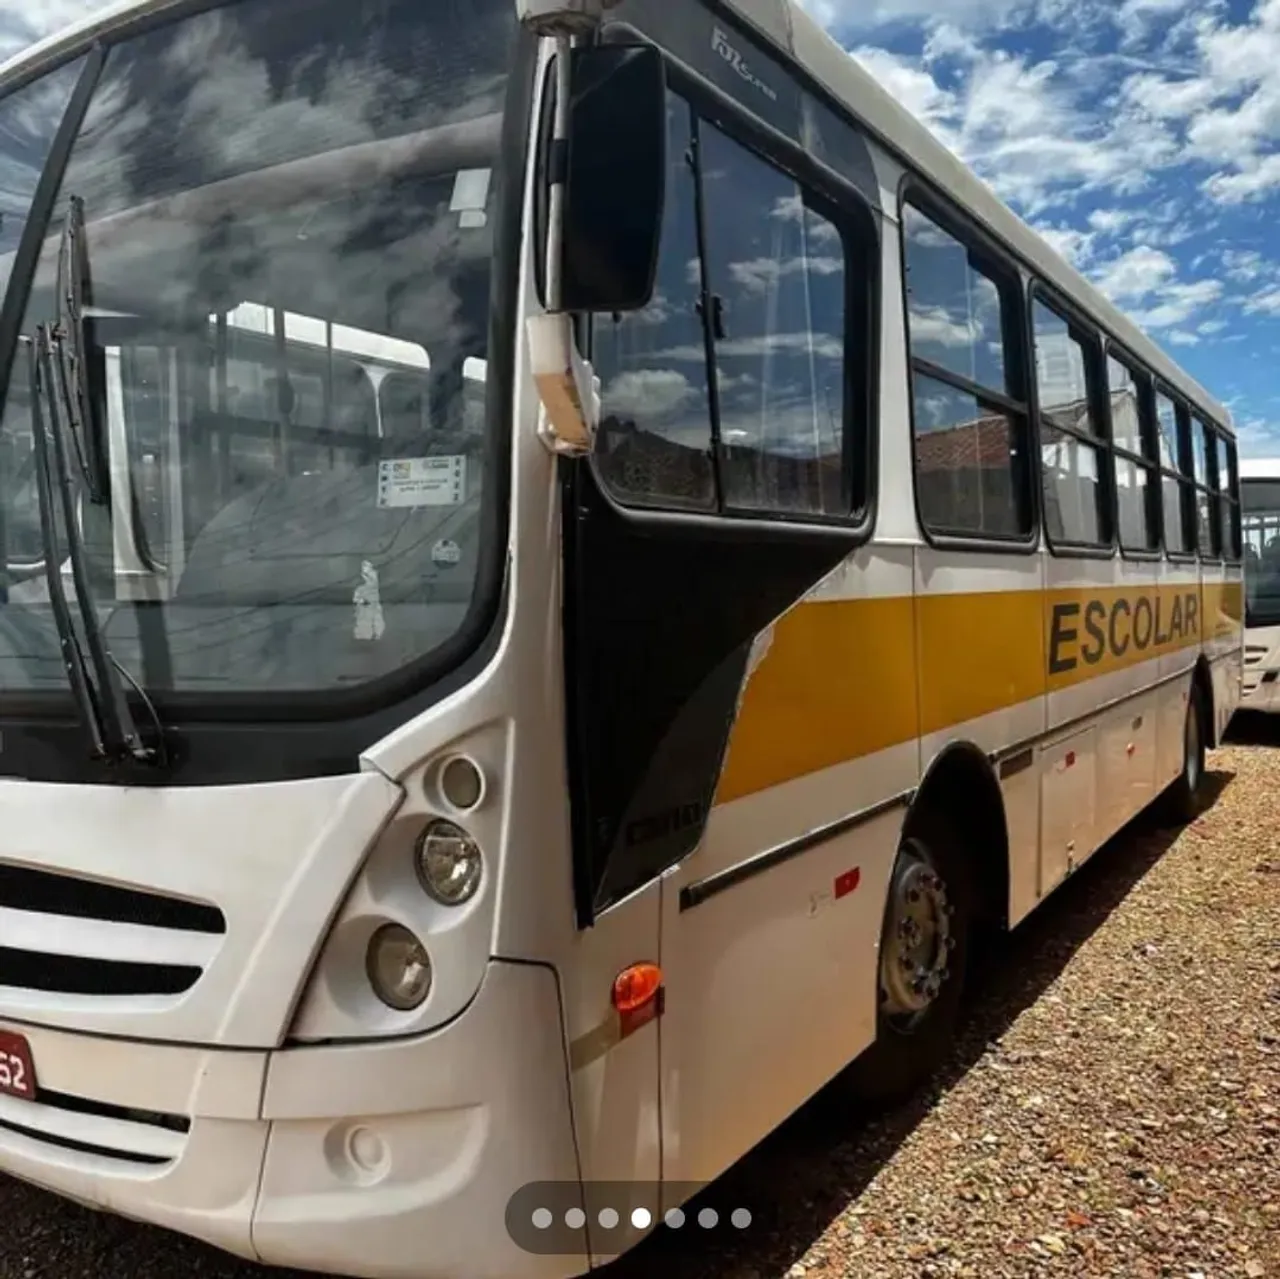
column 289, row 210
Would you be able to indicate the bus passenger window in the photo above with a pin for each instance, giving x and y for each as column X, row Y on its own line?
column 776, row 273
column 971, row 472
column 1071, row 448
column 1134, row 469
column 654, row 445
column 1228, row 503
column 1206, row 521
column 1176, row 540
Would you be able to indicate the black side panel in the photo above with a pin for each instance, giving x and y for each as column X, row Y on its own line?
column 660, row 618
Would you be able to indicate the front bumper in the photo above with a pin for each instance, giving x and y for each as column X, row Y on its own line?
column 392, row 1159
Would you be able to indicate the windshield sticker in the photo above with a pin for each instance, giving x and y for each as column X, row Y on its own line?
column 370, row 623
column 446, row 552
column 422, row 481
column 470, row 196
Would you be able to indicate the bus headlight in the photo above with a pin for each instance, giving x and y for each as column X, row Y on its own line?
column 399, row 968
column 449, row 863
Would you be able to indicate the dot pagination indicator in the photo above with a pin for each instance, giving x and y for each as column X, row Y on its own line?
column 641, row 1218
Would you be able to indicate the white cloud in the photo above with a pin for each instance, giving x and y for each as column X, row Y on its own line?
column 1110, row 221
column 1075, row 245
column 1136, row 274
column 1028, row 127
column 1265, row 302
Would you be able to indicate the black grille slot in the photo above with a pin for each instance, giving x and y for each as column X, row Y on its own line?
column 23, row 888
column 106, row 1110
column 69, row 975
column 83, row 1147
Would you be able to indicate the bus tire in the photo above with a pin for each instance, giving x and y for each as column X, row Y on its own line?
column 1184, row 800
column 926, row 941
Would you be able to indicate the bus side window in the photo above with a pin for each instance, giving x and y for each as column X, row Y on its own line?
column 1177, row 540
column 970, row 421
column 1204, row 463
column 1137, row 511
column 729, row 392
column 654, row 446
column 775, row 271
column 1071, row 442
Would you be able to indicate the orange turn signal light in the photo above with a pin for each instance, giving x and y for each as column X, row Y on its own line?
column 636, row 986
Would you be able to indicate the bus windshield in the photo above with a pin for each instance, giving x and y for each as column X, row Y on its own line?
column 289, row 210
column 1260, row 509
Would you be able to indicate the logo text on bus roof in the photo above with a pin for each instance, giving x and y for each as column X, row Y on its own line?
column 720, row 43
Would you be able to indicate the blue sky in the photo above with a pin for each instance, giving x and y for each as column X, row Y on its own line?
column 1142, row 137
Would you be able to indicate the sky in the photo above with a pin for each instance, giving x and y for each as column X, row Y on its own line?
column 1141, row 137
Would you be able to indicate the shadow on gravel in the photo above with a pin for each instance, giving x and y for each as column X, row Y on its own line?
column 794, row 1183
column 1253, row 728
column 799, row 1179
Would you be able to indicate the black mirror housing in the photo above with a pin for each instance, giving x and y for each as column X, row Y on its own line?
column 616, row 178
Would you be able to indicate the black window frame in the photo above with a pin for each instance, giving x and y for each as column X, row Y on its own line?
column 1149, row 459
column 1005, row 273
column 1083, row 331
column 858, row 223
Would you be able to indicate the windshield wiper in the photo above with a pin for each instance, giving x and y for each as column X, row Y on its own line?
column 103, row 702
column 72, row 357
column 72, row 657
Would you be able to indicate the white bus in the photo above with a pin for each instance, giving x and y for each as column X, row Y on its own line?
column 443, row 831
column 1260, row 503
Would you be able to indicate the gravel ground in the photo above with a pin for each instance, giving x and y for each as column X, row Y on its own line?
column 1112, row 1109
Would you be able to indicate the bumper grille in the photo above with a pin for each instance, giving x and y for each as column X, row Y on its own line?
column 96, row 1128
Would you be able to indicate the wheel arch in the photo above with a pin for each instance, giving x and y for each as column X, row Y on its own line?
column 961, row 783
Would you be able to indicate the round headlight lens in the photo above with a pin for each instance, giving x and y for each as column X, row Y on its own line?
column 449, row 863
column 399, row 968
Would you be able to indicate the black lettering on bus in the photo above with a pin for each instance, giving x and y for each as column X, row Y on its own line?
column 1060, row 635
column 1161, row 640
column 1096, row 610
column 1141, row 633
column 1176, row 622
column 1118, row 649
column 1193, row 615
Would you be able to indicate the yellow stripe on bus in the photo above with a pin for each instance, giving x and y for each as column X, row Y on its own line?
column 843, row 679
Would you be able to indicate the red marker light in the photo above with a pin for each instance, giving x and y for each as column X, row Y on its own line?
column 846, row 883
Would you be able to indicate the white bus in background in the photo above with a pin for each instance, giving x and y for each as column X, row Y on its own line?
column 597, row 560
column 1260, row 509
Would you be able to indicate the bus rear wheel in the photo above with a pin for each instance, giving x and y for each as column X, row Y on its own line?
column 1184, row 798
column 924, row 953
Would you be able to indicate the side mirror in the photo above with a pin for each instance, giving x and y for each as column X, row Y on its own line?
column 615, row 178
column 612, row 188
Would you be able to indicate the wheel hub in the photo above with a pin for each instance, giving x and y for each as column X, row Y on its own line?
column 914, row 964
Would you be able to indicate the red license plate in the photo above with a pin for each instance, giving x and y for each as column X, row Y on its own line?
column 17, row 1071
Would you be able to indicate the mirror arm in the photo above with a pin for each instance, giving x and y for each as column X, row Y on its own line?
column 566, row 385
